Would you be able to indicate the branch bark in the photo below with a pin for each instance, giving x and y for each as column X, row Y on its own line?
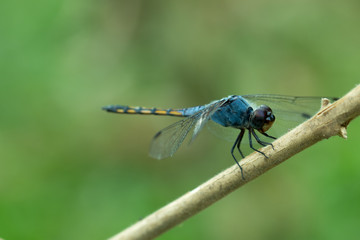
column 331, row 120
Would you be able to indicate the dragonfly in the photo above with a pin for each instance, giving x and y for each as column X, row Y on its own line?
column 255, row 114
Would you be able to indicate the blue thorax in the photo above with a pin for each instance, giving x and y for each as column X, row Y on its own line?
column 235, row 114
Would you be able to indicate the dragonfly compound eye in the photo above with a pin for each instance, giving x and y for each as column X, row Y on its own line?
column 262, row 118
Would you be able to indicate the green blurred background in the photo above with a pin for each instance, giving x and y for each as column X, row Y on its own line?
column 71, row 171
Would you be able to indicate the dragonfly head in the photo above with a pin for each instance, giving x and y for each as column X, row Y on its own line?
column 262, row 118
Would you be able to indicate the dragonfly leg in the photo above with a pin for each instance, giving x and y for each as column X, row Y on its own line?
column 265, row 134
column 237, row 141
column 251, row 146
column 262, row 143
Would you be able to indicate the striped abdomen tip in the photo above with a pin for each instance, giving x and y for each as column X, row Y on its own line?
column 141, row 110
column 110, row 108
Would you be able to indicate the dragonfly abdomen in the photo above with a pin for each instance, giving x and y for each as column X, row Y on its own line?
column 142, row 110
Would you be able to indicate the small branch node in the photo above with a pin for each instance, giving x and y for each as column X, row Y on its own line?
column 324, row 102
column 343, row 132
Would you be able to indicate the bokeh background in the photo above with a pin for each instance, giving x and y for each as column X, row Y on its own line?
column 71, row 171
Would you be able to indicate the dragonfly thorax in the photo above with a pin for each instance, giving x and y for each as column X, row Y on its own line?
column 236, row 113
column 262, row 118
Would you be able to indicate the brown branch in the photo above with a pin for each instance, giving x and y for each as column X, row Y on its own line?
column 330, row 121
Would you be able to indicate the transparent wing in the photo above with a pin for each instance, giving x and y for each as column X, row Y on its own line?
column 288, row 107
column 289, row 111
column 227, row 133
column 166, row 142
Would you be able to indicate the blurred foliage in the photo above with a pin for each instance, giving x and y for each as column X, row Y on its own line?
column 71, row 171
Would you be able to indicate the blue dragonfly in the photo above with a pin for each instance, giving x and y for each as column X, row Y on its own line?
column 254, row 113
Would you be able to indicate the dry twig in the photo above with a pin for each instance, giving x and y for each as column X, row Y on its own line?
column 330, row 121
